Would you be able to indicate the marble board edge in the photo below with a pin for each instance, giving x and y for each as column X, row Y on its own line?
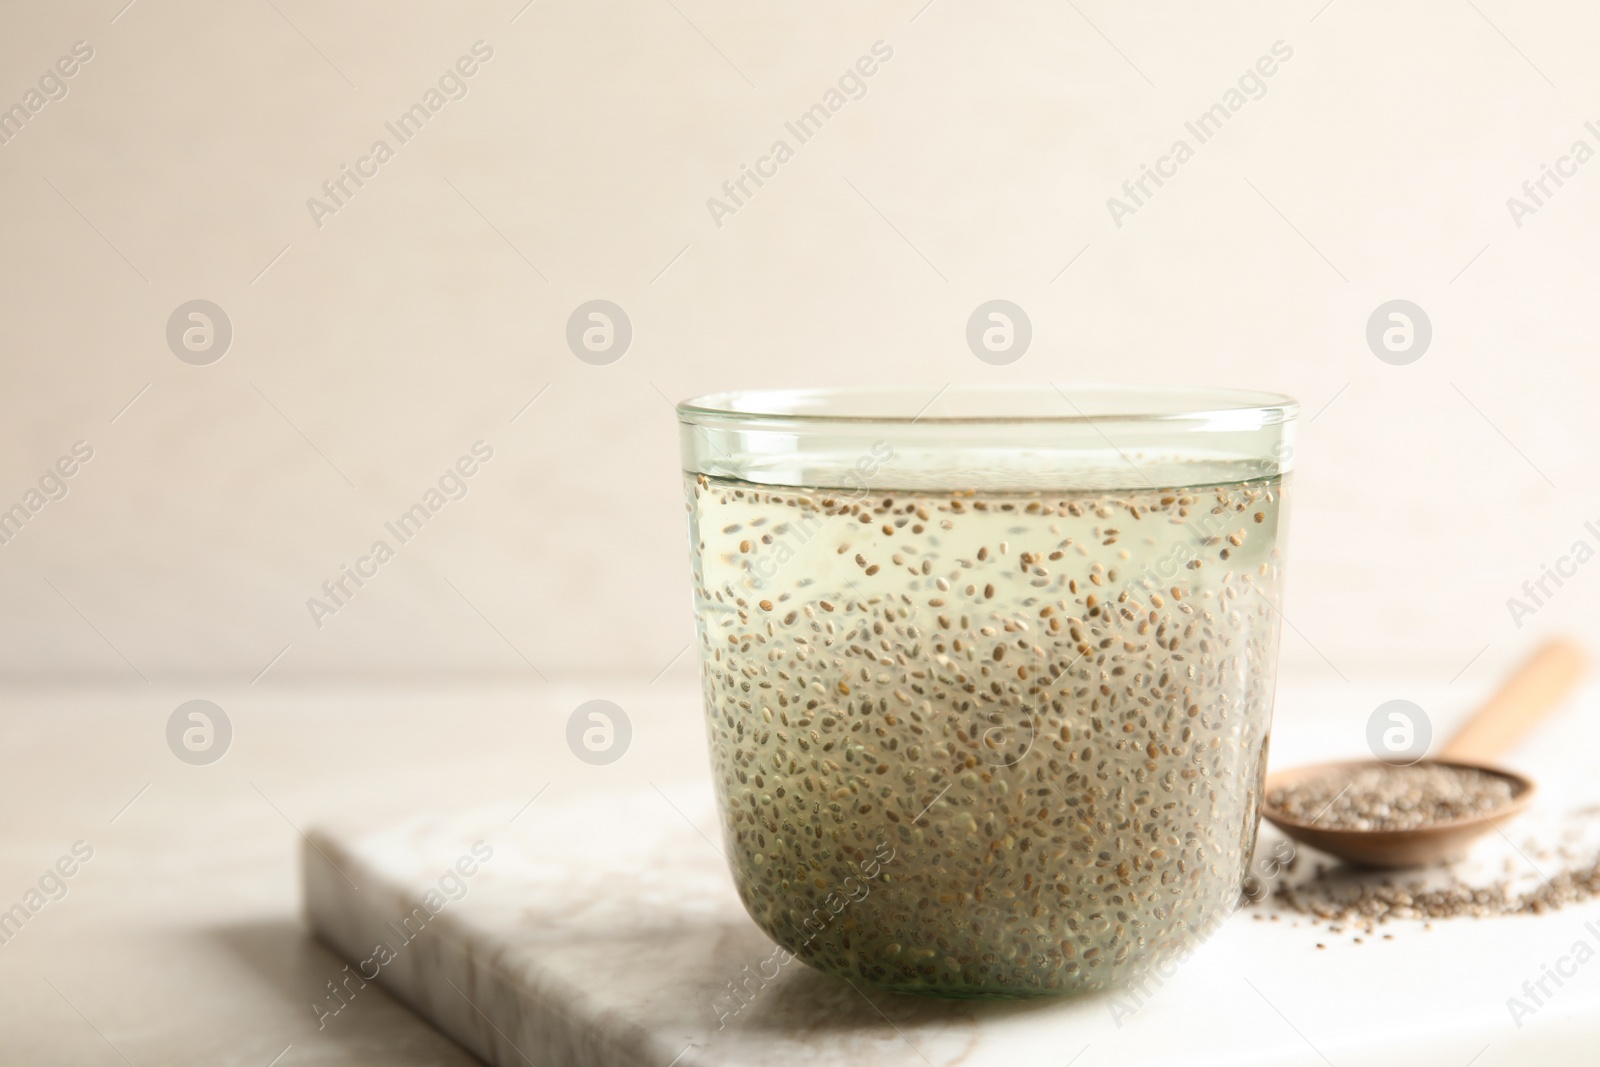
column 501, row 1021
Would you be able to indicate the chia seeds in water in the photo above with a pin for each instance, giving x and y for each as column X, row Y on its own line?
column 1049, row 711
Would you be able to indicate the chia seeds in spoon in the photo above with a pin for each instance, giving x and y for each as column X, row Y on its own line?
column 1392, row 798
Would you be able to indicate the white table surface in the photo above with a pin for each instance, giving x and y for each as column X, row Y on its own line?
column 182, row 941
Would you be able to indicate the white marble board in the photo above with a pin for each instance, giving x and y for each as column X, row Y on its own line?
column 607, row 932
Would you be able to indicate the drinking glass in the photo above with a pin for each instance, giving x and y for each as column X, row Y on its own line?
column 988, row 673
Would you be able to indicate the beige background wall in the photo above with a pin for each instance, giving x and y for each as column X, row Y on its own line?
column 372, row 351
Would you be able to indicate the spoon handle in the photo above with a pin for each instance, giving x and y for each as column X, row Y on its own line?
column 1539, row 685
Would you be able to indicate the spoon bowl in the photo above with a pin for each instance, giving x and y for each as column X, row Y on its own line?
column 1433, row 843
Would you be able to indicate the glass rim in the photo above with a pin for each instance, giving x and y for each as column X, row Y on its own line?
column 1153, row 404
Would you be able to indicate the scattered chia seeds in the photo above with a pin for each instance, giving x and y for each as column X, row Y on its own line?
column 1392, row 798
column 1533, row 878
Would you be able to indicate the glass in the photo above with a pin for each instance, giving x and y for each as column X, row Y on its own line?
column 988, row 674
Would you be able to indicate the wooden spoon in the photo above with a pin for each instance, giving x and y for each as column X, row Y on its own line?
column 1538, row 687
